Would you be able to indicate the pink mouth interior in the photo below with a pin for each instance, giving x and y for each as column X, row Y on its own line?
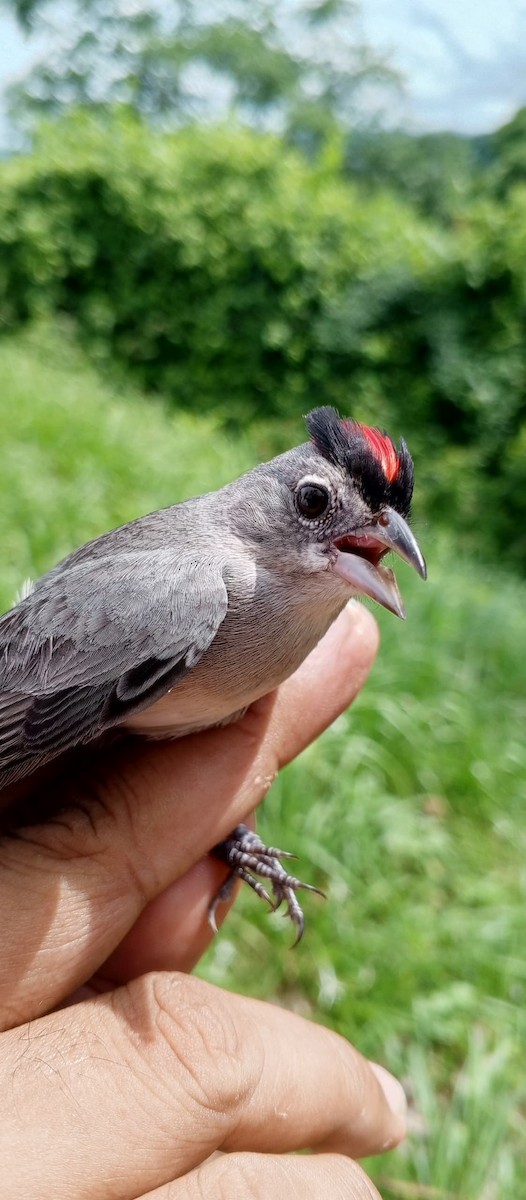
column 364, row 547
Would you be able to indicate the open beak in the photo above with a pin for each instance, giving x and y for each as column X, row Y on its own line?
column 359, row 554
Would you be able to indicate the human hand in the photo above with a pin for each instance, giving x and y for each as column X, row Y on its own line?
column 129, row 1090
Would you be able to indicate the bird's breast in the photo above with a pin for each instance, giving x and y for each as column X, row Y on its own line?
column 260, row 643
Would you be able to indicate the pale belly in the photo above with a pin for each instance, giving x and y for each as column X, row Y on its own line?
column 164, row 719
column 225, row 682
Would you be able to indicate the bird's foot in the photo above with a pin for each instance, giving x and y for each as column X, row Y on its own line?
column 248, row 857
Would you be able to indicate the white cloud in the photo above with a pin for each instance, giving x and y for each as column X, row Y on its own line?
column 464, row 61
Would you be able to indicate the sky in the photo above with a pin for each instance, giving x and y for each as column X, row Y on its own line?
column 463, row 61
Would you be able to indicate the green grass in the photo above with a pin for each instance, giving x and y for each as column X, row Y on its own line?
column 409, row 811
column 79, row 457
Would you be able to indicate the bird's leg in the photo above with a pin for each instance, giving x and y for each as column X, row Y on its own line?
column 247, row 857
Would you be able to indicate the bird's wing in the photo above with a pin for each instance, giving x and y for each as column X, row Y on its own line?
column 97, row 642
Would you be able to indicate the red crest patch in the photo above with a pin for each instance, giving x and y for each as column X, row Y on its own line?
column 384, row 451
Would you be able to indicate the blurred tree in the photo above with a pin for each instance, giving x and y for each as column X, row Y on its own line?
column 299, row 68
column 507, row 153
column 438, row 172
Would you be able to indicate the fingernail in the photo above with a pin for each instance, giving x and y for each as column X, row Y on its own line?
column 392, row 1090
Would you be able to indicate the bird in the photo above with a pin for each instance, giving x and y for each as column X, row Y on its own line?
column 179, row 620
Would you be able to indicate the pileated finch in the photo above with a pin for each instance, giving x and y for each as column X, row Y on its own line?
column 181, row 619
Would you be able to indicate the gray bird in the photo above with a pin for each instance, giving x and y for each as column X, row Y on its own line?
column 181, row 619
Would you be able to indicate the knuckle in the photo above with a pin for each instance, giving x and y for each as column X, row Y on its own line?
column 191, row 1027
column 242, row 1176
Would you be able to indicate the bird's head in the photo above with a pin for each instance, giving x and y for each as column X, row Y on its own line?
column 346, row 494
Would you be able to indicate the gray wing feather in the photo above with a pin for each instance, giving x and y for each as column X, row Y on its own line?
column 98, row 641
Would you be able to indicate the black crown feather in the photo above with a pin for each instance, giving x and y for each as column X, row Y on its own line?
column 383, row 473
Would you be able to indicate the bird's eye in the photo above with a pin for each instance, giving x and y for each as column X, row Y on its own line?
column 312, row 500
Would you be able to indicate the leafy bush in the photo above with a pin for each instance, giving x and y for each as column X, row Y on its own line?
column 224, row 271
column 201, row 260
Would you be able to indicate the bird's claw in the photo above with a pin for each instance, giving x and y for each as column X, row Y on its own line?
column 248, row 857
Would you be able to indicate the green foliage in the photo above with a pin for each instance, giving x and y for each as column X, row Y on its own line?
column 506, row 152
column 223, row 270
column 409, row 812
column 435, row 172
column 79, row 457
column 203, row 260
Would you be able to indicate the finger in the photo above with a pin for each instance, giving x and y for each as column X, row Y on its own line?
column 326, row 683
column 141, row 1086
column 70, row 890
column 260, row 1176
column 173, row 931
